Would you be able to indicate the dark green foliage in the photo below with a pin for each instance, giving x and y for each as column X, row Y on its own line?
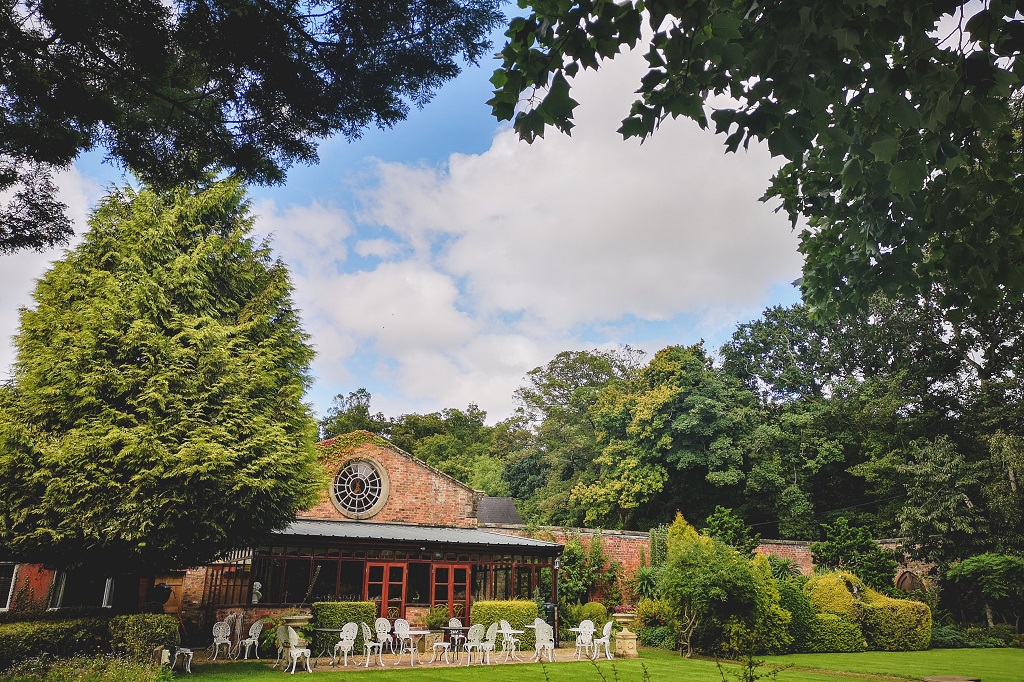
column 659, row 637
column 902, row 146
column 725, row 525
column 834, row 634
column 156, row 415
column 994, row 580
column 135, row 636
column 176, row 90
column 518, row 612
column 802, row 617
column 335, row 614
column 63, row 638
column 947, row 637
column 645, row 583
column 853, row 549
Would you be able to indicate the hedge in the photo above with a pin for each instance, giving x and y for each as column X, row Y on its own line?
column 896, row 624
column 802, row 623
column 834, row 634
column 28, row 639
column 137, row 635
column 518, row 612
column 334, row 614
column 834, row 593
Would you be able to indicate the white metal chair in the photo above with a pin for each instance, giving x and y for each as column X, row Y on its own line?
column 474, row 640
column 183, row 653
column 487, row 646
column 382, row 626
column 455, row 636
column 346, row 642
column 281, row 639
column 370, row 642
column 545, row 639
column 253, row 640
column 402, row 635
column 295, row 652
column 509, row 642
column 605, row 639
column 585, row 638
column 221, row 637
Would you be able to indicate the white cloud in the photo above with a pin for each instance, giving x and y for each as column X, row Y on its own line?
column 20, row 271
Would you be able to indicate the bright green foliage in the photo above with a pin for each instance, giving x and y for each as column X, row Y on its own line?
column 895, row 624
column 156, row 414
column 518, row 612
column 726, row 526
column 28, row 639
column 834, row 593
column 834, row 634
column 645, row 582
column 173, row 90
column 853, row 549
column 902, row 141
column 351, row 413
column 802, row 616
column 656, row 624
column 135, row 636
column 705, row 581
column 996, row 579
column 336, row 614
column 765, row 629
column 586, row 572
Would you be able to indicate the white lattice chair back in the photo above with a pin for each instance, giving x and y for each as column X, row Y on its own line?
column 402, row 628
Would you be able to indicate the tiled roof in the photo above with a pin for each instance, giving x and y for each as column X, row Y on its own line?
column 500, row 510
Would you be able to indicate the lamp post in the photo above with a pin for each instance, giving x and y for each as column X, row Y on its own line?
column 554, row 582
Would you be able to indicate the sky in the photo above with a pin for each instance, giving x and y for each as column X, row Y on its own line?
column 437, row 262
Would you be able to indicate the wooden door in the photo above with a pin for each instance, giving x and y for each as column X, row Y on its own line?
column 385, row 584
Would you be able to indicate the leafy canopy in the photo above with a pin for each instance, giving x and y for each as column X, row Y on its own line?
column 155, row 417
column 902, row 137
column 172, row 90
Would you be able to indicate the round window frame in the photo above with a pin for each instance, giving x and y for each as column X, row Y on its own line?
column 382, row 498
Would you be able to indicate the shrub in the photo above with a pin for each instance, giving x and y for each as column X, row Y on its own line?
column 518, row 612
column 19, row 641
column 84, row 669
column 334, row 614
column 947, row 637
column 573, row 613
column 659, row 637
column 137, row 635
column 656, row 624
column 765, row 628
column 437, row 617
column 801, row 613
column 835, row 634
column 979, row 638
column 1004, row 632
column 645, row 582
column 895, row 624
column 834, row 593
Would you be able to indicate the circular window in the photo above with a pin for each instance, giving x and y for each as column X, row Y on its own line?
column 360, row 489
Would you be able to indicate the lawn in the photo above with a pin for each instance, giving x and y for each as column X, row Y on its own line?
column 992, row 665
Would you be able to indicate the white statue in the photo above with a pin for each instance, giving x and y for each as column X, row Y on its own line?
column 256, row 594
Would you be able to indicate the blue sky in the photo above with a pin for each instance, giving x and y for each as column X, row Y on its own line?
column 439, row 261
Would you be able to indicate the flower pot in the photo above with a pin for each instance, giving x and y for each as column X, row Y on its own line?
column 624, row 618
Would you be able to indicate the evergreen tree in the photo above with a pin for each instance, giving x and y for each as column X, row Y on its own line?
column 155, row 415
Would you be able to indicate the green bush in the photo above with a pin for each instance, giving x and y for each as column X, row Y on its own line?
column 659, row 637
column 980, row 638
column 334, row 614
column 137, row 635
column 833, row 593
column 518, row 612
column 947, row 637
column 895, row 624
column 835, row 634
column 656, row 624
column 802, row 619
column 1004, row 632
column 19, row 641
column 85, row 669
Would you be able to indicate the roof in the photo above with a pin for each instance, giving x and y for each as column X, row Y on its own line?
column 395, row 532
column 500, row 510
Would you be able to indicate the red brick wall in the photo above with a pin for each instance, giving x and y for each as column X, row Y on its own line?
column 797, row 551
column 419, row 493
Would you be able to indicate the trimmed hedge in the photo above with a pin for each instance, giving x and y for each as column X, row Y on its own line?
column 834, row 593
column 334, row 614
column 137, row 635
column 834, row 634
column 28, row 639
column 896, row 624
column 518, row 612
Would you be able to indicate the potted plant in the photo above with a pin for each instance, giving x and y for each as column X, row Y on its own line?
column 437, row 618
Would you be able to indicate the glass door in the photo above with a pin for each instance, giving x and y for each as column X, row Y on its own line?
column 451, row 588
column 385, row 584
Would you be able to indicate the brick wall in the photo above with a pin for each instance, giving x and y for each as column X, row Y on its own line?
column 797, row 551
column 420, row 494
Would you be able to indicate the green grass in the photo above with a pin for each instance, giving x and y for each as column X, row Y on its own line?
column 992, row 665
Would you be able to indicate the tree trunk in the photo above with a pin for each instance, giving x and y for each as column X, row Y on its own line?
column 988, row 614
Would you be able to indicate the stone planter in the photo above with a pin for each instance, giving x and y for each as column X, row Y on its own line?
column 426, row 642
column 625, row 644
column 624, row 618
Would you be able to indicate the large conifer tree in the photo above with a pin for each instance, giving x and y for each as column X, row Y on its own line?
column 155, row 415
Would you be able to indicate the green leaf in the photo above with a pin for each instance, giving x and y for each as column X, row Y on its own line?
column 885, row 149
column 907, row 177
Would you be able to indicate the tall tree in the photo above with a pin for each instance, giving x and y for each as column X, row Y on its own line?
column 173, row 90
column 155, row 418
column 351, row 413
column 900, row 123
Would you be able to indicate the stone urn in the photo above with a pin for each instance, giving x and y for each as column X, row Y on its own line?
column 297, row 621
column 624, row 618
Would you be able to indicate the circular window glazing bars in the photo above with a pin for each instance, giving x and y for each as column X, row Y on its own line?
column 359, row 489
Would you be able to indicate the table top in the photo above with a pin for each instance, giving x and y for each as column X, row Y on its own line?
column 455, row 627
column 327, row 629
column 419, row 632
column 510, row 632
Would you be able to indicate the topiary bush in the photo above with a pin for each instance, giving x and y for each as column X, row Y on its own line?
column 835, row 634
column 895, row 624
column 834, row 593
column 135, row 636
column 802, row 620
column 518, row 612
column 19, row 641
column 334, row 614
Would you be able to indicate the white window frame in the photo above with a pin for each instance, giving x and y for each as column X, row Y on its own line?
column 59, row 580
column 6, row 604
